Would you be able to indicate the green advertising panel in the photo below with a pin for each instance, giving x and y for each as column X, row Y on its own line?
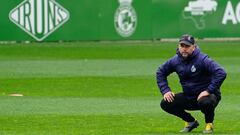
column 70, row 20
column 202, row 18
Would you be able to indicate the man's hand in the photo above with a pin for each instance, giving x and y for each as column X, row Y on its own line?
column 203, row 94
column 169, row 96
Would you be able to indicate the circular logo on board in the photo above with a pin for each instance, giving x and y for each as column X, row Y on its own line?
column 125, row 19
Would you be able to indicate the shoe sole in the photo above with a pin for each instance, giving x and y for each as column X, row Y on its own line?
column 207, row 132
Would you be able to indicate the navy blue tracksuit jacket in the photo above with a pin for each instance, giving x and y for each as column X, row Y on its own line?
column 196, row 73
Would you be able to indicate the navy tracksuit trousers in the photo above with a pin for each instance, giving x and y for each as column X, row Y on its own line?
column 180, row 104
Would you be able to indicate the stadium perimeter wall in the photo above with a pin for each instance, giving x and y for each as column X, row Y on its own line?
column 96, row 20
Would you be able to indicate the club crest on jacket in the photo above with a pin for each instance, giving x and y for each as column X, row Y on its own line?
column 193, row 68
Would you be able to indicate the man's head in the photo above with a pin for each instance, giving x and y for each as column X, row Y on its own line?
column 186, row 45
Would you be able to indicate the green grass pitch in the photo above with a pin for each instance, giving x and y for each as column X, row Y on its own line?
column 102, row 89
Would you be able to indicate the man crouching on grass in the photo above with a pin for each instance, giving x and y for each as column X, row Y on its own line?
column 200, row 77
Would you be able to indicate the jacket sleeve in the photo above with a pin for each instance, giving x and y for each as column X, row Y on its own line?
column 161, row 76
column 218, row 74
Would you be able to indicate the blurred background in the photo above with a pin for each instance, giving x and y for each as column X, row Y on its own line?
column 111, row 20
column 87, row 67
